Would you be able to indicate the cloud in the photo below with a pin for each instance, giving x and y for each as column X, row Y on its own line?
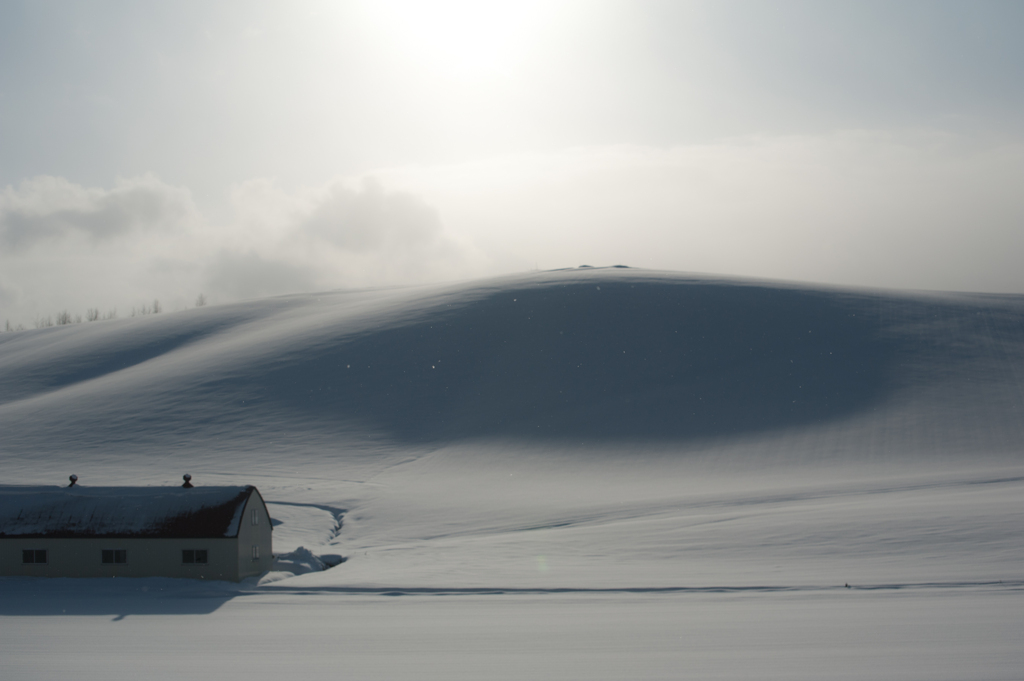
column 918, row 209
column 48, row 209
column 65, row 246
column 371, row 219
column 236, row 276
column 342, row 233
column 901, row 209
column 7, row 296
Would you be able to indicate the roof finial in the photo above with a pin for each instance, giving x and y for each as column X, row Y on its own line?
column 73, row 479
column 187, row 479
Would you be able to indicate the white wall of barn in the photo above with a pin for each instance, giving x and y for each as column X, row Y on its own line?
column 256, row 530
column 146, row 557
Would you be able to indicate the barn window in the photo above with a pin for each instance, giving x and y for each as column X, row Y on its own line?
column 115, row 556
column 194, row 556
column 255, row 517
column 35, row 556
column 255, row 552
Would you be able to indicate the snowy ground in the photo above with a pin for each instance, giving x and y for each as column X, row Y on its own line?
column 920, row 633
column 582, row 474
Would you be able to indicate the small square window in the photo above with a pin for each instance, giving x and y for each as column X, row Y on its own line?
column 115, row 556
column 201, row 556
column 255, row 552
column 33, row 556
column 193, row 556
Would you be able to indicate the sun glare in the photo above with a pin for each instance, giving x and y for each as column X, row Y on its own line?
column 460, row 38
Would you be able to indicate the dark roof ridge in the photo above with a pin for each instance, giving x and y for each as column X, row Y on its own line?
column 122, row 512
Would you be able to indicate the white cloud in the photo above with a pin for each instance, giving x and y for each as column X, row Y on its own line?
column 371, row 219
column 344, row 233
column 909, row 210
column 72, row 247
column 235, row 275
column 47, row 209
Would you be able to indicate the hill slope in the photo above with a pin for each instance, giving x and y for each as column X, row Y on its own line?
column 574, row 356
column 579, row 428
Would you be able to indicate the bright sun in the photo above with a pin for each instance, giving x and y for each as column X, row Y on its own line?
column 461, row 38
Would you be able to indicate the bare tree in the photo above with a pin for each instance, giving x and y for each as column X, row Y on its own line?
column 200, row 300
column 92, row 314
column 43, row 322
column 156, row 306
column 63, row 318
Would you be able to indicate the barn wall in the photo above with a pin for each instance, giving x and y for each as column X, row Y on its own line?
column 258, row 534
column 146, row 558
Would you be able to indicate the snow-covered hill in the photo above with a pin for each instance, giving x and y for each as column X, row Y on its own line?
column 579, row 356
column 608, row 429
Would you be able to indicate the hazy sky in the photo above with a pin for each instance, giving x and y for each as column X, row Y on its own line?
column 242, row 149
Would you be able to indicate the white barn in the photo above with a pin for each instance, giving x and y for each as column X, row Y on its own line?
column 194, row 532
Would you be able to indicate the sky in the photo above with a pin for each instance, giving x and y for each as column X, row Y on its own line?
column 159, row 151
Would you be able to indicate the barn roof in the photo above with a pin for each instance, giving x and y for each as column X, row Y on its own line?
column 199, row 512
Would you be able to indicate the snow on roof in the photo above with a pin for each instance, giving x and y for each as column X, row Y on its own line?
column 200, row 512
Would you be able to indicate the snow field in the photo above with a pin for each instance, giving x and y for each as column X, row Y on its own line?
column 583, row 474
column 926, row 634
